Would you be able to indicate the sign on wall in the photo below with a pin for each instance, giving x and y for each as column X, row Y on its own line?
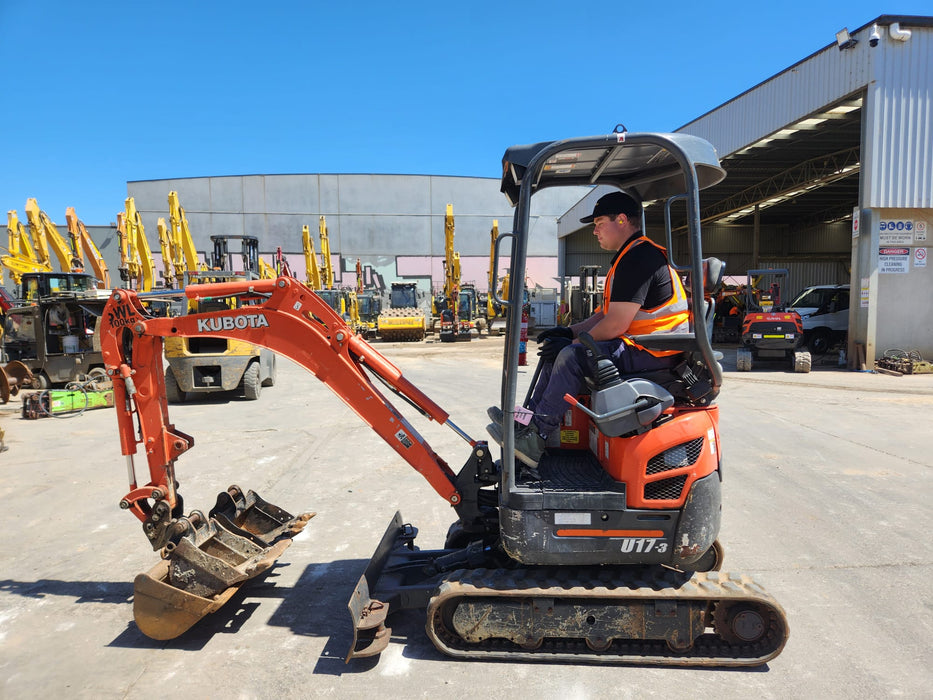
column 920, row 257
column 896, row 232
column 893, row 260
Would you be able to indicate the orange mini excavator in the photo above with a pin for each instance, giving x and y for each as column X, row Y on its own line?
column 608, row 555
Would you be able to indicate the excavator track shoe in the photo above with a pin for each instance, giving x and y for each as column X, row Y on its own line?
column 201, row 570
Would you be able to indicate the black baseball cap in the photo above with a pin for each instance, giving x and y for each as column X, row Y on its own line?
column 613, row 204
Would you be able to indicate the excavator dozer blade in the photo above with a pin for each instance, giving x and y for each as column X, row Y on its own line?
column 200, row 572
column 368, row 615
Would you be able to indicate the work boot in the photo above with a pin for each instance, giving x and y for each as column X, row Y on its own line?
column 495, row 414
column 529, row 445
column 527, row 470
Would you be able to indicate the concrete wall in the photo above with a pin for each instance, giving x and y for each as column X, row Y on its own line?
column 890, row 306
column 393, row 223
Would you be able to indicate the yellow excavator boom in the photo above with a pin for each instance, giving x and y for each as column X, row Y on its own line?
column 325, row 254
column 68, row 258
column 451, row 262
column 22, row 257
column 185, row 253
column 266, row 271
column 312, row 270
column 168, row 253
column 493, row 235
column 138, row 247
column 37, row 231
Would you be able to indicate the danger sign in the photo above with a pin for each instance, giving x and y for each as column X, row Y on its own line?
column 893, row 260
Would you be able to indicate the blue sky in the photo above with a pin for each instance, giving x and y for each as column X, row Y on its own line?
column 99, row 93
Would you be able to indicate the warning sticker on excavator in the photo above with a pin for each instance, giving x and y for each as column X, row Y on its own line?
column 403, row 438
column 570, row 437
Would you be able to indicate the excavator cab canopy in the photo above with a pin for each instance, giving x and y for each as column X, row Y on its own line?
column 650, row 166
column 37, row 285
column 638, row 163
column 404, row 295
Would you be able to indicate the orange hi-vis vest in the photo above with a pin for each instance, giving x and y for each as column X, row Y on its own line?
column 673, row 316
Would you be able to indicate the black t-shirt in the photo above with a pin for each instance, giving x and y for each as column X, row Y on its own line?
column 642, row 277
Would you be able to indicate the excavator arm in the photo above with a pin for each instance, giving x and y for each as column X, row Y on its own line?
column 285, row 317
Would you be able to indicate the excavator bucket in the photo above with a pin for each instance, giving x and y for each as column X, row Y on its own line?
column 13, row 377
column 243, row 536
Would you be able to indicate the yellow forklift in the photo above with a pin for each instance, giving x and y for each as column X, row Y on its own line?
column 206, row 364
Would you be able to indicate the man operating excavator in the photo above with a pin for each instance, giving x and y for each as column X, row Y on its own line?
column 643, row 295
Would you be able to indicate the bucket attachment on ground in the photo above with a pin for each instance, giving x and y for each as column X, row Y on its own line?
column 206, row 565
column 13, row 377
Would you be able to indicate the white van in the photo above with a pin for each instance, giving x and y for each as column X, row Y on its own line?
column 824, row 310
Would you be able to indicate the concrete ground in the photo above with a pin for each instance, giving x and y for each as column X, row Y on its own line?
column 827, row 492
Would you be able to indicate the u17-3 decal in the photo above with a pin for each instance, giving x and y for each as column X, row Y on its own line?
column 643, row 545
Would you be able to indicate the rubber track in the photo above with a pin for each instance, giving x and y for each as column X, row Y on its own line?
column 709, row 649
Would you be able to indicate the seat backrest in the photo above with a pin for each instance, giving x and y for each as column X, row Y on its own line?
column 714, row 270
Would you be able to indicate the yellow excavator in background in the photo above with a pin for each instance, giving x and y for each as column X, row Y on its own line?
column 494, row 310
column 84, row 243
column 446, row 303
column 459, row 305
column 22, row 256
column 366, row 305
column 136, row 266
column 337, row 299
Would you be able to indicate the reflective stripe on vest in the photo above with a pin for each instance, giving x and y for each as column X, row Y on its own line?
column 673, row 316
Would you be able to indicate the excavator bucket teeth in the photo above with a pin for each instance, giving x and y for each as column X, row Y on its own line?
column 202, row 570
